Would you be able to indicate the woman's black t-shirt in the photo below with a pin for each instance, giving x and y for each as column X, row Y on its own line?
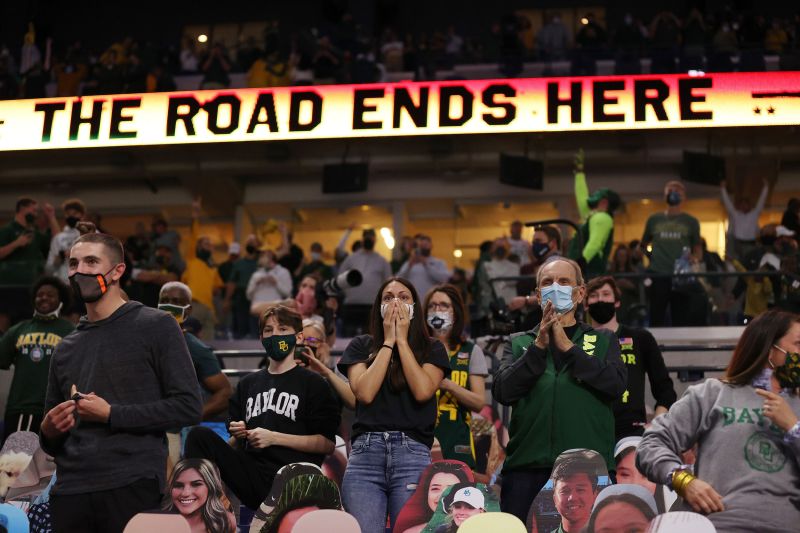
column 394, row 411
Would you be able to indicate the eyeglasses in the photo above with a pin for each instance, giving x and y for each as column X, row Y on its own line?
column 437, row 306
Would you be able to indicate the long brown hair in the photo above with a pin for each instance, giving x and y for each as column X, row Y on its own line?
column 418, row 338
column 456, row 333
column 752, row 351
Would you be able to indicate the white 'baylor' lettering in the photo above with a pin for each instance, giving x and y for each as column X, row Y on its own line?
column 285, row 404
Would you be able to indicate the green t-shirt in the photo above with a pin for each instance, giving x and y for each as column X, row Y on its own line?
column 29, row 346
column 669, row 235
column 242, row 271
column 24, row 264
column 206, row 365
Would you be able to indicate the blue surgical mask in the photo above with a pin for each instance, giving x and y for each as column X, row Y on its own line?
column 560, row 295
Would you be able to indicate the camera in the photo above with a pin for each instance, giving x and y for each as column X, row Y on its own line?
column 346, row 280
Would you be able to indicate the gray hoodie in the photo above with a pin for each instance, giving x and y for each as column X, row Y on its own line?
column 137, row 361
column 740, row 453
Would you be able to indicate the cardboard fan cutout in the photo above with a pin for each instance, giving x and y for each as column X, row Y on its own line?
column 566, row 500
column 433, row 481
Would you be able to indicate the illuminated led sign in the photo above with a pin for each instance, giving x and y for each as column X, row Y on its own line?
column 405, row 108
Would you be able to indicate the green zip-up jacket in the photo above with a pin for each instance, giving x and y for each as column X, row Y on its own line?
column 596, row 232
column 560, row 400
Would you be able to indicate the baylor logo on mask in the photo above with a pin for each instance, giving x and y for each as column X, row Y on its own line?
column 283, row 345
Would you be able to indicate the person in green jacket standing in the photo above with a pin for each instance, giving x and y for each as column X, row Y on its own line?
column 28, row 346
column 561, row 379
column 592, row 244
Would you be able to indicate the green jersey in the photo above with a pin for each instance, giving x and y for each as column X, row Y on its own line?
column 670, row 234
column 29, row 346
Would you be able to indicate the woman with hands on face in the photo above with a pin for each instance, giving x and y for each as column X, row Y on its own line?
column 747, row 433
column 394, row 374
column 279, row 415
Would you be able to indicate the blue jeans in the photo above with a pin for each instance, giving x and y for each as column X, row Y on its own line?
column 382, row 473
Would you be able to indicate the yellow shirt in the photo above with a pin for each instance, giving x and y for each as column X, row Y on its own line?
column 200, row 277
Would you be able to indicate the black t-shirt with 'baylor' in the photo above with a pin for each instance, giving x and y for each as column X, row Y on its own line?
column 394, row 411
column 297, row 402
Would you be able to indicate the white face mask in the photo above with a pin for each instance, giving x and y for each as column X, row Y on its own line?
column 440, row 320
column 51, row 315
column 410, row 308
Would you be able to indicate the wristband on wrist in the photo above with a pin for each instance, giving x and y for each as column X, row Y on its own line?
column 681, row 480
column 387, row 346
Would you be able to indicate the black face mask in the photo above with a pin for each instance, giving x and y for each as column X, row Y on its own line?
column 203, row 255
column 768, row 240
column 673, row 198
column 162, row 260
column 369, row 245
column 540, row 249
column 89, row 288
column 500, row 253
column 30, row 218
column 250, row 249
column 602, row 312
column 72, row 221
column 425, row 252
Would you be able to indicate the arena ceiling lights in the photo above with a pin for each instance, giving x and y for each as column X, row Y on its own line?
column 403, row 109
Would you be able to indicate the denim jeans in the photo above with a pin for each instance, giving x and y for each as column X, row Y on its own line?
column 382, row 473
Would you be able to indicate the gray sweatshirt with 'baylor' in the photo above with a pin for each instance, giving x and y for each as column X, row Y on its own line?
column 740, row 453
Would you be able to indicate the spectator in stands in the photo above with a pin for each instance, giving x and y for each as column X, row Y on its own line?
column 592, row 244
column 402, row 253
column 74, row 211
column 742, row 221
column 511, row 48
column 358, row 300
column 665, row 35
column 69, row 75
column 290, row 256
column 553, row 40
column 590, row 42
column 501, row 267
column 236, row 300
column 724, row 45
column 693, row 42
column 148, row 279
column 108, row 75
column 137, row 246
column 546, row 247
column 422, row 269
column 135, row 74
column 394, row 373
column 453, row 47
column 392, row 51
column 115, row 385
column 519, row 247
column 672, row 234
column 776, row 39
column 326, row 63
column 279, row 415
column 226, row 267
column 9, row 87
column 563, row 370
column 462, row 391
column 202, row 277
column 29, row 346
column 216, row 66
column 751, row 34
column 34, row 83
column 316, row 265
column 316, row 356
column 640, row 353
column 270, row 70
column 269, row 284
column 791, row 217
column 23, row 250
column 195, row 490
column 176, row 299
column 747, row 433
column 159, row 80
column 163, row 236
column 628, row 43
column 188, row 56
column 247, row 53
column 621, row 263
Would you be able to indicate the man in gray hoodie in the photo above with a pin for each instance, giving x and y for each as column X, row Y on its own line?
column 115, row 385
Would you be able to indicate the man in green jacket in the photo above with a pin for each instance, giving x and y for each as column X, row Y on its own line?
column 592, row 244
column 561, row 379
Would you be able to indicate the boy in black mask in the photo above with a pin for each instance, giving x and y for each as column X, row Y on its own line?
column 640, row 353
column 279, row 415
